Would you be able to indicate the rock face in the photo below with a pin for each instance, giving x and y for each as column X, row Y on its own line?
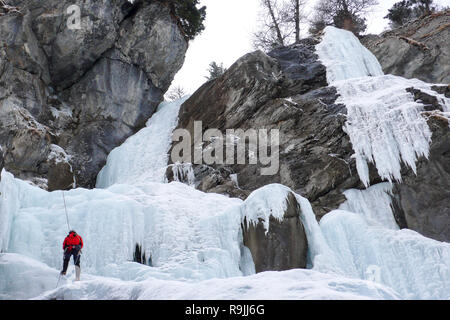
column 83, row 90
column 284, row 246
column 284, row 90
column 287, row 90
column 417, row 50
column 422, row 201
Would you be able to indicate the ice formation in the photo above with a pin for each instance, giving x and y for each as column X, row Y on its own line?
column 384, row 122
column 414, row 266
column 144, row 155
column 344, row 56
column 374, row 204
column 192, row 241
column 183, row 172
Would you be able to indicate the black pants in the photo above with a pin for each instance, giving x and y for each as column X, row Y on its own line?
column 76, row 258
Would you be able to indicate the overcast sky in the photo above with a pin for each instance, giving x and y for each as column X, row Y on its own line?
column 227, row 37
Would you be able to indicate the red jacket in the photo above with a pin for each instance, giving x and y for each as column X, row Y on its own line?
column 72, row 240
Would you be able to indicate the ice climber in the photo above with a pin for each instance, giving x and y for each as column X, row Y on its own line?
column 72, row 246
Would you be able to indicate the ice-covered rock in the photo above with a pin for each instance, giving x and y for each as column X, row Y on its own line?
column 384, row 121
column 273, row 229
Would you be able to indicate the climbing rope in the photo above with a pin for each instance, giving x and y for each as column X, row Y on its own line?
column 65, row 208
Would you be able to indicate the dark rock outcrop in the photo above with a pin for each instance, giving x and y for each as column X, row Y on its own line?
column 284, row 246
column 422, row 200
column 83, row 90
column 417, row 50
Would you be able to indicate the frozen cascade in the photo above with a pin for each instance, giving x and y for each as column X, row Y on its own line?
column 183, row 172
column 386, row 128
column 414, row 266
column 374, row 204
column 187, row 233
column 368, row 244
column 384, row 122
column 143, row 156
column 345, row 57
column 193, row 239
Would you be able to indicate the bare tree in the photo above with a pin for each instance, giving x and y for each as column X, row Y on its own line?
column 176, row 93
column 299, row 15
column 280, row 23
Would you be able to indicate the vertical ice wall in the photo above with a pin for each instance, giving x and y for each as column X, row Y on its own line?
column 143, row 156
column 9, row 205
column 386, row 128
column 384, row 122
column 344, row 56
column 187, row 234
column 414, row 266
column 373, row 204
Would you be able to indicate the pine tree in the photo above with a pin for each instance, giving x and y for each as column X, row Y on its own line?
column 407, row 10
column 191, row 17
column 215, row 70
column 400, row 13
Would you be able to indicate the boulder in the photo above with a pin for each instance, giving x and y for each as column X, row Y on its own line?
column 283, row 246
column 422, row 200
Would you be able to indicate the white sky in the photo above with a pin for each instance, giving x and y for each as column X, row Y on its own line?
column 227, row 37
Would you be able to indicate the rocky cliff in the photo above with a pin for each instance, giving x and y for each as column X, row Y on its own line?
column 287, row 90
column 417, row 50
column 72, row 90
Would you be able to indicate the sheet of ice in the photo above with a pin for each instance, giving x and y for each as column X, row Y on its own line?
column 143, row 156
column 384, row 123
column 414, row 266
column 374, row 204
column 193, row 238
column 187, row 233
column 183, row 172
column 344, row 56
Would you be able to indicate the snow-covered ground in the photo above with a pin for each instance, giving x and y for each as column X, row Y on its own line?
column 192, row 240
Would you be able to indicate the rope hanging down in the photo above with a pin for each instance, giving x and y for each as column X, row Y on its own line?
column 65, row 208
